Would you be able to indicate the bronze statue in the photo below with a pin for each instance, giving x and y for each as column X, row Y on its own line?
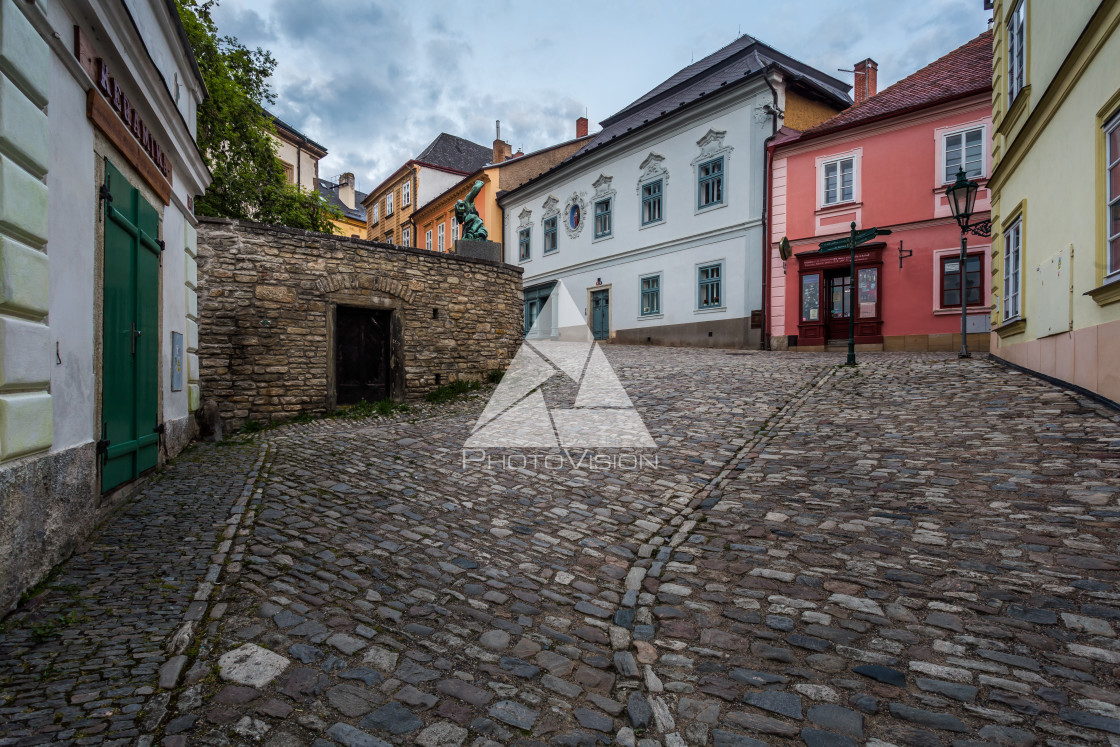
column 467, row 216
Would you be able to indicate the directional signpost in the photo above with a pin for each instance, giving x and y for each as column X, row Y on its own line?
column 855, row 239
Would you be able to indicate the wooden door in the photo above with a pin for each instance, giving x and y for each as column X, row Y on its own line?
column 838, row 300
column 362, row 340
column 601, row 314
column 130, row 319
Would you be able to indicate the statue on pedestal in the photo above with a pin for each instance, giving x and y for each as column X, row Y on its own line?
column 467, row 216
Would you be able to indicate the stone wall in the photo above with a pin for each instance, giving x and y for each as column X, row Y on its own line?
column 267, row 297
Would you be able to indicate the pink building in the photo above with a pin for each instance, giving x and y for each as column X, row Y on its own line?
column 885, row 162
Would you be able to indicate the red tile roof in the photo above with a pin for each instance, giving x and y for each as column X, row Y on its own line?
column 963, row 72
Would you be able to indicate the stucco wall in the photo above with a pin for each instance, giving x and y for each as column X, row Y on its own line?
column 267, row 297
column 687, row 237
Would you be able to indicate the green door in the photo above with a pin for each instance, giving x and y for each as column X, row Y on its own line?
column 130, row 369
column 601, row 314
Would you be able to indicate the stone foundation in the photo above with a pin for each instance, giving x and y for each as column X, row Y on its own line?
column 48, row 504
column 267, row 297
column 722, row 333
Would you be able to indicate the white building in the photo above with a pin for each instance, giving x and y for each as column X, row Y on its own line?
column 99, row 167
column 656, row 225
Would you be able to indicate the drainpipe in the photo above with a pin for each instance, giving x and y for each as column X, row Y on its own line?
column 764, row 337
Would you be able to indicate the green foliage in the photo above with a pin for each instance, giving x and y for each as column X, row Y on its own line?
column 235, row 135
column 364, row 409
column 251, row 426
column 495, row 375
column 452, row 391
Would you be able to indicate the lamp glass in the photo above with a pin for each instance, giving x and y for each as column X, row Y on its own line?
column 962, row 198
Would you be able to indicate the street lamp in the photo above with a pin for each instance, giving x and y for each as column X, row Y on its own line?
column 962, row 201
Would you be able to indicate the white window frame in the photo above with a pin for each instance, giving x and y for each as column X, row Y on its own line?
column 1016, row 63
column 1111, row 161
column 823, row 180
column 1012, row 269
column 963, row 132
column 454, row 230
column 406, row 194
column 377, row 211
column 428, row 239
column 389, row 204
column 441, row 236
column 406, row 236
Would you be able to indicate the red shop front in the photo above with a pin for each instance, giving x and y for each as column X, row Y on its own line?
column 825, row 284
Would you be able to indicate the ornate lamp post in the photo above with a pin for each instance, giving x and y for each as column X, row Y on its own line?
column 962, row 201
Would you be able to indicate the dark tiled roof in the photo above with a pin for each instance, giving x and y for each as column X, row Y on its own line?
column 329, row 191
column 965, row 71
column 282, row 125
column 741, row 60
column 455, row 153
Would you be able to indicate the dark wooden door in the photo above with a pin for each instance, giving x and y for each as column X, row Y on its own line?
column 362, row 339
column 838, row 300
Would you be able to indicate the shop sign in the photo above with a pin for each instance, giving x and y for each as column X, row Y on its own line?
column 121, row 104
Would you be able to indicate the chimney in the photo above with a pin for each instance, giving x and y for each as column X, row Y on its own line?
column 502, row 150
column 866, row 80
column 581, row 127
column 346, row 189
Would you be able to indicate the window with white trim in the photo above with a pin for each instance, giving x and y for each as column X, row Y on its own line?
column 376, row 211
column 428, row 239
column 389, row 204
column 603, row 218
column 651, row 294
column 406, row 193
column 838, row 181
column 406, row 236
column 710, row 286
column 964, row 150
column 1112, row 136
column 1012, row 270
column 454, row 230
column 523, row 244
column 440, row 236
column 550, row 234
column 1016, row 50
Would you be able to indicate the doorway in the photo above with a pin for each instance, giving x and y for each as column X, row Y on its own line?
column 130, row 427
column 601, row 314
column 362, row 349
column 839, row 303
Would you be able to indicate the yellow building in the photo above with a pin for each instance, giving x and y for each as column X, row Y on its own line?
column 1056, row 190
column 389, row 206
column 343, row 195
column 299, row 154
column 433, row 224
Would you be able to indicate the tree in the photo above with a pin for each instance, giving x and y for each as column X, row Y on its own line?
column 235, row 134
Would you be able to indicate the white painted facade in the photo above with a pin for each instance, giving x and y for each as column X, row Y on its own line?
column 733, row 125
column 52, row 227
column 431, row 183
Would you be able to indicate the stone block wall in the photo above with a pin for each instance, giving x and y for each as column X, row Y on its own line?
column 267, row 297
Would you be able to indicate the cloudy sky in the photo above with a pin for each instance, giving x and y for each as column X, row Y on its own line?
column 376, row 81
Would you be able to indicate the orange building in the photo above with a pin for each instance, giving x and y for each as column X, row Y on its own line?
column 389, row 207
column 434, row 222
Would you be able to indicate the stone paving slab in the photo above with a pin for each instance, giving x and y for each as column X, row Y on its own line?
column 918, row 551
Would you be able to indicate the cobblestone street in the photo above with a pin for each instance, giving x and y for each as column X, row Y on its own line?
column 920, row 551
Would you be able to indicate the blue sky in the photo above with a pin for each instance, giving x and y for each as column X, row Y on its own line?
column 376, row 81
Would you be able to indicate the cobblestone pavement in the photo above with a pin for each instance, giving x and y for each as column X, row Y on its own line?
column 920, row 551
column 79, row 661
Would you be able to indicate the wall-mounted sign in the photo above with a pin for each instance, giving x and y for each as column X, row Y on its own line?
column 176, row 362
column 116, row 96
